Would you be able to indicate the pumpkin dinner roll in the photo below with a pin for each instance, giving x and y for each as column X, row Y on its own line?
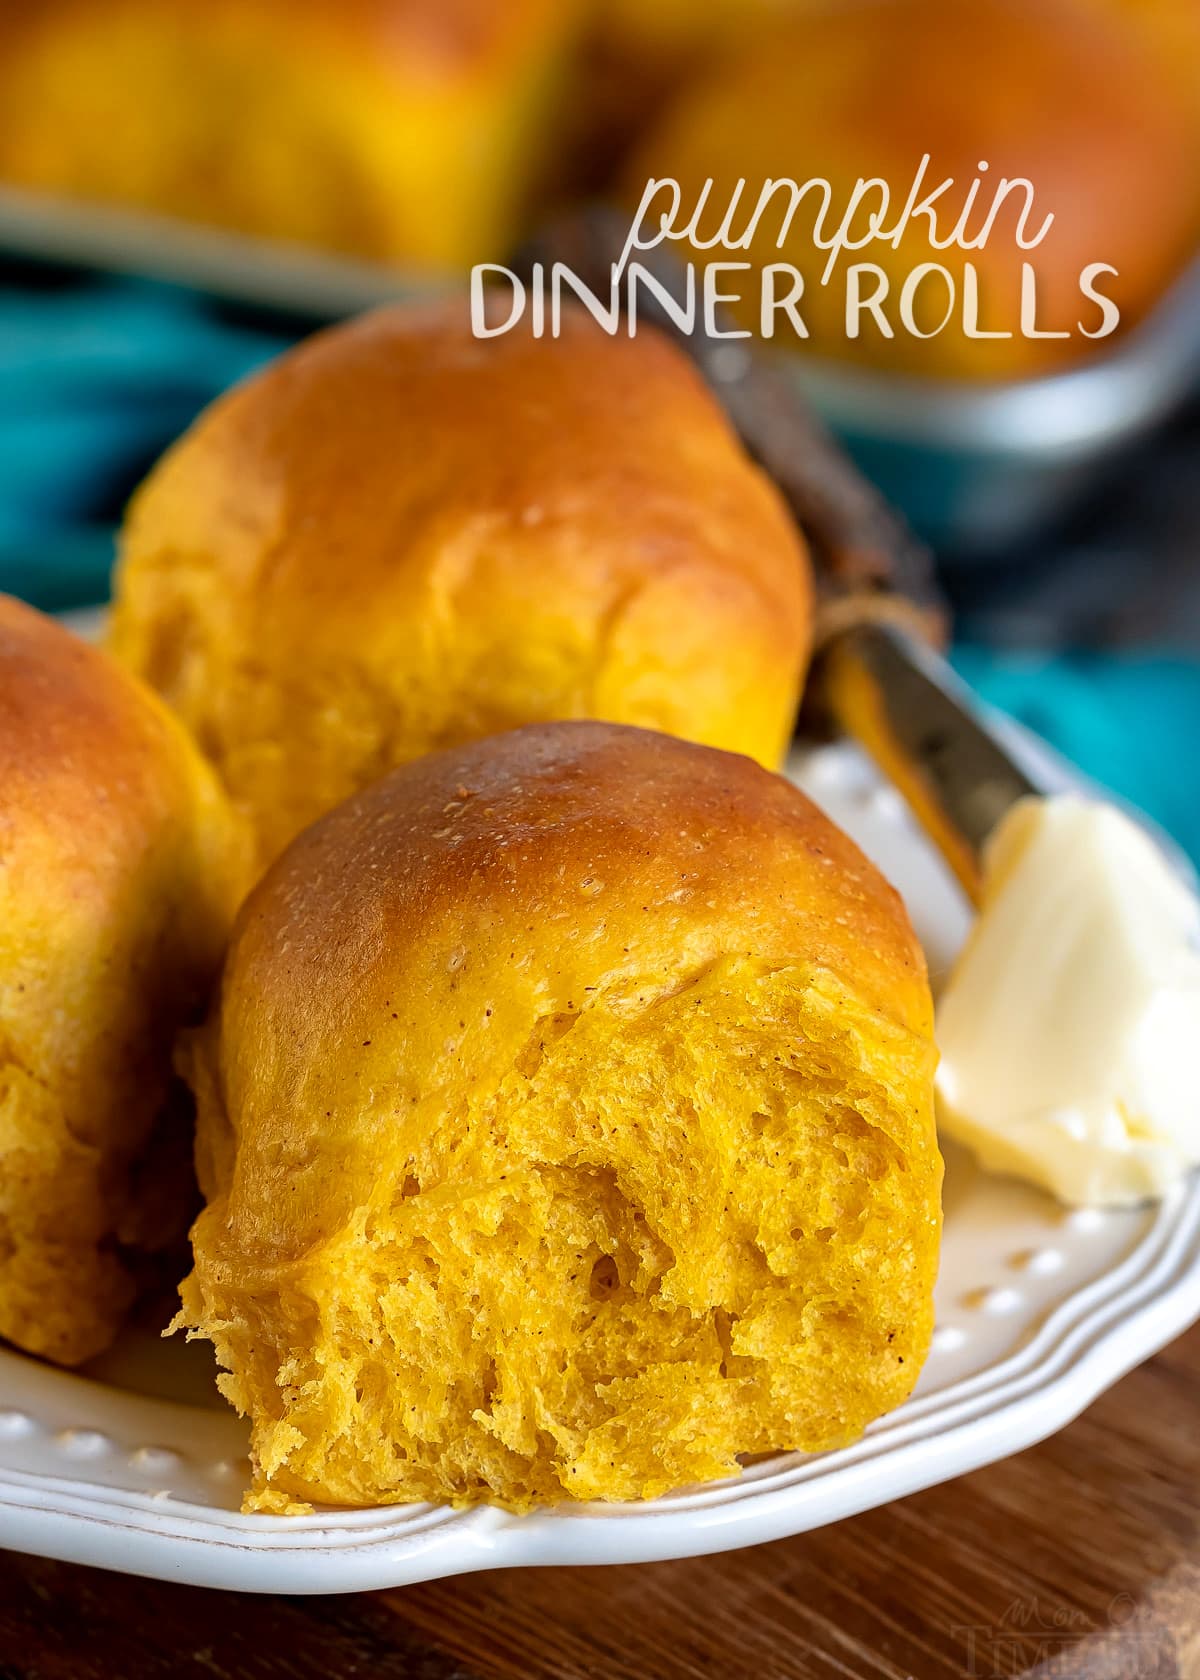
column 408, row 131
column 566, row 1131
column 400, row 537
column 120, row 869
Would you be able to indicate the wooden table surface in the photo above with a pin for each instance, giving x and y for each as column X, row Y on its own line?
column 1080, row 1558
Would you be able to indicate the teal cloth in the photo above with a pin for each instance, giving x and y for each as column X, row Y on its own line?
column 98, row 375
column 1130, row 721
column 96, row 378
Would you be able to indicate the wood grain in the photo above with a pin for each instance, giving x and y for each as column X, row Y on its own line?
column 1076, row 1560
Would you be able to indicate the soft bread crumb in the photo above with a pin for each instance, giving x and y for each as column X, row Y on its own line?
column 536, row 1193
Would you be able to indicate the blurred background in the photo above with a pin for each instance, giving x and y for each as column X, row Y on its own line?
column 188, row 186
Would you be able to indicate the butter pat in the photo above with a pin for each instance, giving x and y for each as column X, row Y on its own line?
column 1070, row 1027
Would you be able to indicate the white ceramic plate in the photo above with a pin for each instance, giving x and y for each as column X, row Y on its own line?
column 138, row 1466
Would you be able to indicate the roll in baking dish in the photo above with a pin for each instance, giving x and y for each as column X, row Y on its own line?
column 405, row 131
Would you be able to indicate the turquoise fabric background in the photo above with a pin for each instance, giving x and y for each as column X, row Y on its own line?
column 96, row 378
column 97, row 375
column 1131, row 721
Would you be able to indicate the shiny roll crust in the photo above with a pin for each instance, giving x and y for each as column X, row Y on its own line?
column 399, row 130
column 566, row 1131
column 120, row 866
column 401, row 537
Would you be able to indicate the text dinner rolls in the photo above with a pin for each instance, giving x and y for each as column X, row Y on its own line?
column 120, row 868
column 566, row 1130
column 1065, row 97
column 400, row 537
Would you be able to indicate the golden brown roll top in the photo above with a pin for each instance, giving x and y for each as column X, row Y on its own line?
column 120, row 868
column 566, row 1127
column 402, row 130
column 400, row 537
column 1169, row 30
